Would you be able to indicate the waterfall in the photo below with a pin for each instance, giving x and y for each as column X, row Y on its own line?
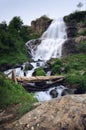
column 47, row 47
column 51, row 41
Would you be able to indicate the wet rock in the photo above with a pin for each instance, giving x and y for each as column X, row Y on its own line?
column 71, row 29
column 53, row 93
column 68, row 91
column 28, row 66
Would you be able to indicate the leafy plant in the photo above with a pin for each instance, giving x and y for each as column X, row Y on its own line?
column 82, row 47
column 40, row 72
column 11, row 93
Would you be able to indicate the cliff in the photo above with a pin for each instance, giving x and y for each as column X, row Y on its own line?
column 40, row 24
column 76, row 32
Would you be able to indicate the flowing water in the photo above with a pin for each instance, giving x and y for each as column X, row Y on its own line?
column 52, row 41
column 50, row 47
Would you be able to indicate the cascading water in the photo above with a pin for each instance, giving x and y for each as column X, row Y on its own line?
column 52, row 40
column 49, row 47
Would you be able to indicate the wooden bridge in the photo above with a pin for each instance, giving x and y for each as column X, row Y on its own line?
column 25, row 81
column 34, row 78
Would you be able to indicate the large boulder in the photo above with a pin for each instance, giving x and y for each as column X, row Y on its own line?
column 66, row 113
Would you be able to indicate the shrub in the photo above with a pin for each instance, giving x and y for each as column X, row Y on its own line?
column 77, row 78
column 56, row 69
column 77, row 16
column 82, row 47
column 40, row 72
column 12, row 94
column 56, row 66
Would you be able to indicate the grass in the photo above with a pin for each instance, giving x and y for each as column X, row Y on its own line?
column 74, row 67
column 12, row 94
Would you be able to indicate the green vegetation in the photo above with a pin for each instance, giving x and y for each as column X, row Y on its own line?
column 82, row 47
column 12, row 42
column 77, row 16
column 77, row 78
column 71, row 64
column 56, row 66
column 73, row 67
column 12, row 94
column 40, row 72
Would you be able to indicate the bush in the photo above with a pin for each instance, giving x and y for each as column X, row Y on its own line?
column 82, row 47
column 56, row 66
column 12, row 94
column 77, row 79
column 77, row 16
column 56, row 69
column 40, row 72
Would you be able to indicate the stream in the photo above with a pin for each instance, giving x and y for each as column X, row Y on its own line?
column 49, row 46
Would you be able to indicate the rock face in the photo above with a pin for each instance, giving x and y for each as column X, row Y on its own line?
column 66, row 113
column 69, row 47
column 76, row 32
column 71, row 29
column 41, row 24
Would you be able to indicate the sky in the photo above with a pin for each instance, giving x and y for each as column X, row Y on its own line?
column 29, row 10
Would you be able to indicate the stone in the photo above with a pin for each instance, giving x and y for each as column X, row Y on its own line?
column 40, row 25
column 68, row 91
column 65, row 113
column 53, row 93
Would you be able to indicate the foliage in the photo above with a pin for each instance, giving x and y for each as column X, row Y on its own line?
column 11, row 93
column 77, row 79
column 46, row 18
column 56, row 66
column 71, row 63
column 12, row 43
column 77, row 16
column 15, row 24
column 40, row 72
column 82, row 47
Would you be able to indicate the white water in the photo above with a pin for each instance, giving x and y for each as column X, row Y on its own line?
column 50, row 47
column 52, row 41
column 45, row 96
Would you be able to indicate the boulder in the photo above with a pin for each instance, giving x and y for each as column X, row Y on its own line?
column 53, row 93
column 66, row 113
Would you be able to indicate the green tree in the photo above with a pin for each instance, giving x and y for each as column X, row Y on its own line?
column 16, row 23
column 3, row 26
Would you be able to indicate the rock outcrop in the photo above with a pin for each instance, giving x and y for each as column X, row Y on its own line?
column 76, row 32
column 69, row 47
column 40, row 24
column 66, row 113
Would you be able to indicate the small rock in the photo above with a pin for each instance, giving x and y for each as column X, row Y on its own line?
column 28, row 125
